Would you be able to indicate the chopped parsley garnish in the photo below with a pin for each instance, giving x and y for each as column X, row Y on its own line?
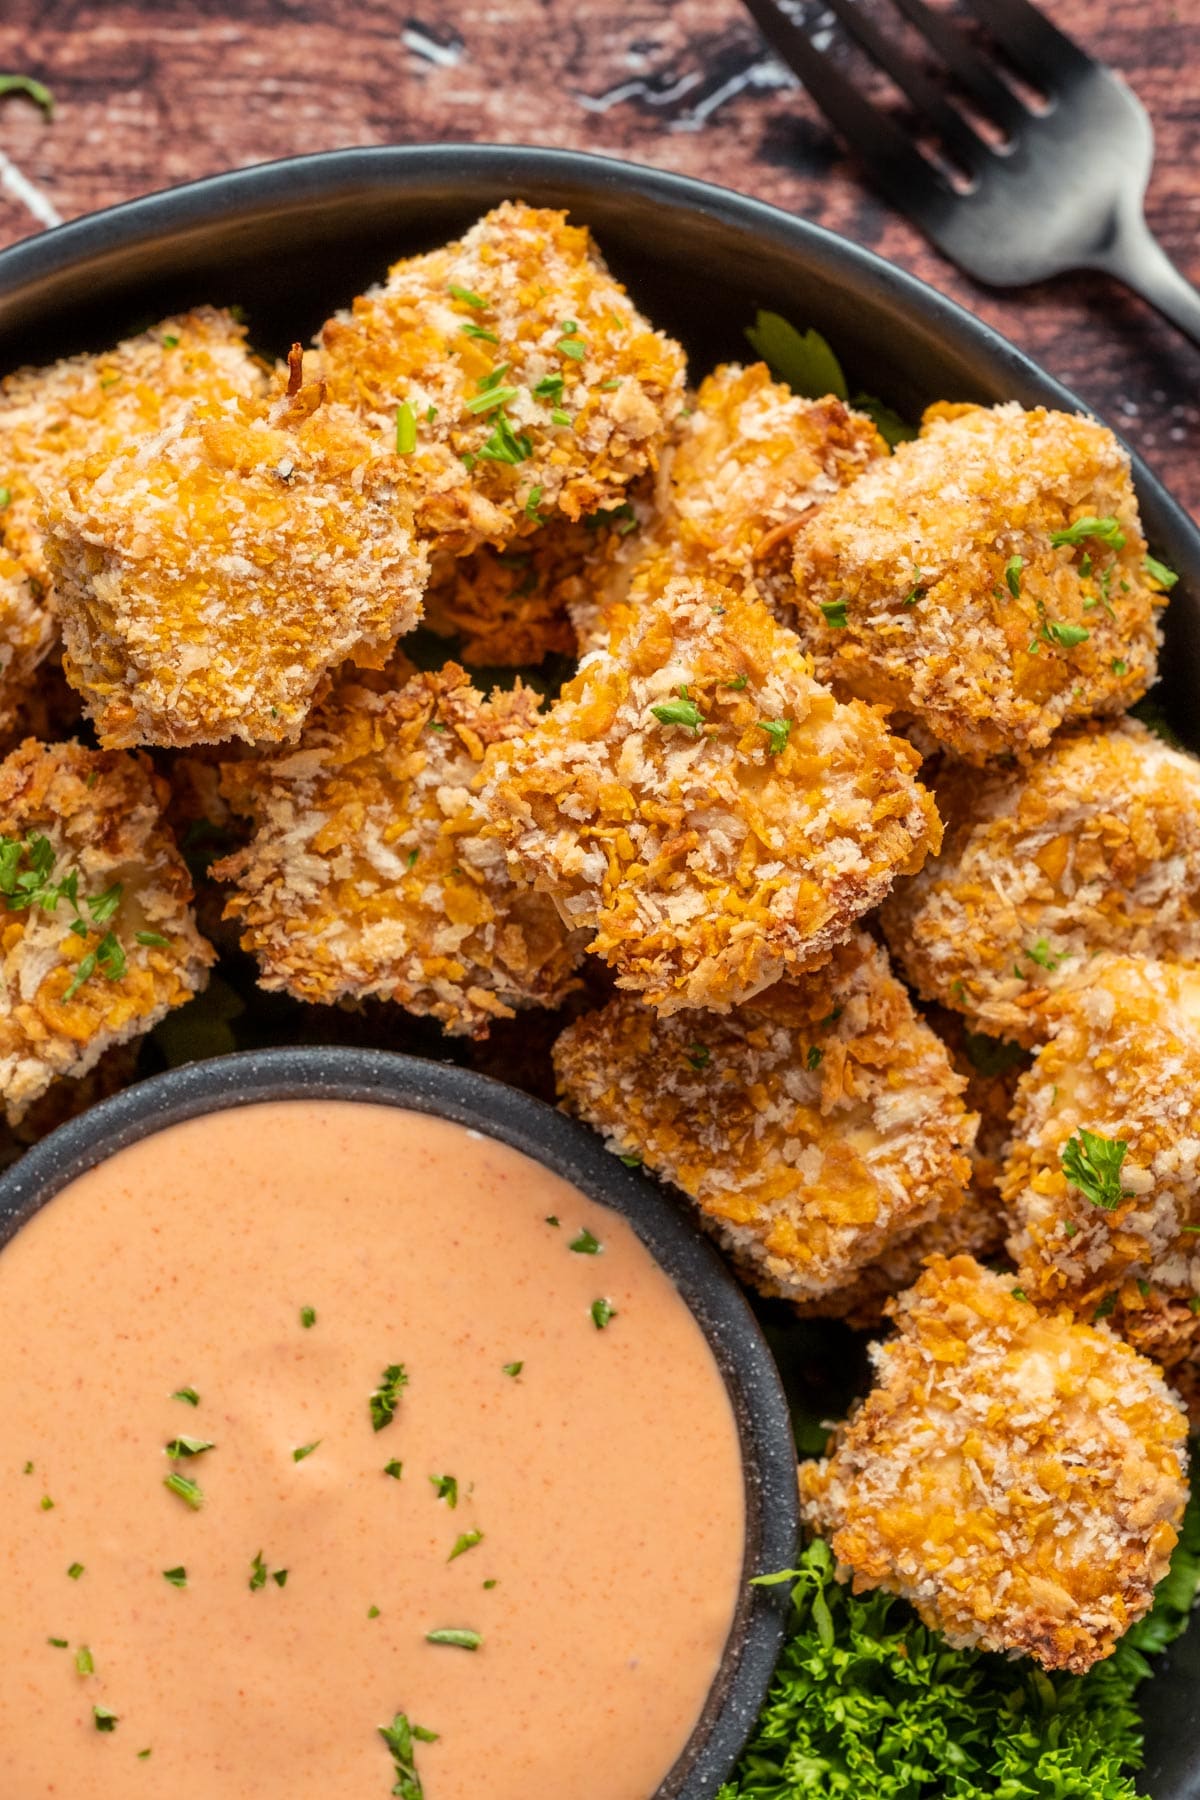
column 602, row 1312
column 75, row 1571
column 406, row 429
column 1166, row 578
column 308, row 1317
column 303, row 1450
column 533, row 501
column 394, row 1469
column 142, row 1755
column 279, row 1577
column 585, row 1244
column 679, row 712
column 446, row 1487
column 460, row 1637
column 467, row 297
column 506, row 445
column 188, row 1491
column 170, row 342
column 84, row 1661
column 699, row 1056
column 1105, row 531
column 28, row 1469
column 176, row 1577
column 258, row 1573
column 550, row 387
column 1092, row 1163
column 387, row 1395
column 188, row 1395
column 493, row 378
column 633, row 1160
column 835, row 614
column 737, row 684
column 551, row 1220
column 490, row 399
column 814, row 1058
column 1012, row 575
column 574, row 347
column 490, row 1584
column 1044, row 956
column 153, row 940
column 466, row 1540
column 103, row 906
column 5, row 496
column 1067, row 635
column 1019, row 1294
column 58, row 1643
column 916, row 591
column 47, row 1503
column 513, row 1369
column 559, row 417
column 372, row 1612
column 188, row 1446
column 778, row 730
column 1119, row 666
column 104, row 1719
column 478, row 331
column 1106, row 1308
column 400, row 1737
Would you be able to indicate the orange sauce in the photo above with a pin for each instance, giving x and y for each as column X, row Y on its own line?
column 592, row 1537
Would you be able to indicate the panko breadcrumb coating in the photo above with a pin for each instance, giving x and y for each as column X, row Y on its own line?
column 701, row 803
column 367, row 874
column 1118, row 1208
column 210, row 578
column 1018, row 1477
column 747, row 465
column 97, row 940
column 80, row 406
column 810, row 1126
column 515, row 372
column 1093, row 845
column 506, row 603
column 935, row 586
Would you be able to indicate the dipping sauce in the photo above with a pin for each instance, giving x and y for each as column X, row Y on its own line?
column 553, row 1475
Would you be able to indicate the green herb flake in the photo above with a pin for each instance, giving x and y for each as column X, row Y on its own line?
column 603, row 1311
column 176, row 1577
column 28, row 1469
column 401, row 1738
column 778, row 731
column 679, row 712
column 1157, row 571
column 551, row 1220
column 258, row 1573
column 153, row 940
column 559, row 417
column 188, row 1446
column 532, row 502
column 58, row 1643
column 737, row 684
column 633, row 1160
column 574, row 347
column 478, row 332
column 1044, row 956
column 446, row 1488
column 513, row 1369
column 406, row 429
column 75, row 1571
column 467, row 297
column 1066, row 635
column 814, row 1058
column 84, row 1661
column 143, row 1754
column 803, row 360
column 5, row 497
column 394, row 1469
column 386, row 1396
column 188, row 1395
column 1104, row 531
column 699, row 1056
column 1012, row 575
column 506, row 445
column 47, row 1503
column 279, row 1577
column 1194, row 1303
column 372, row 1612
column 1119, row 666
column 835, row 614
column 490, row 399
column 188, row 1491
column 488, row 1585
column 460, row 1637
column 1019, row 1294
column 465, row 1541
column 585, row 1244
column 104, row 1719
column 916, row 591
column 299, row 1454
column 550, row 387
column 1092, row 1163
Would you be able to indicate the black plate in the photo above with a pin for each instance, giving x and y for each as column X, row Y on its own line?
column 290, row 241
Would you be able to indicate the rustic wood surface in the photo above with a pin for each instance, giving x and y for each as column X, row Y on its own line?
column 156, row 93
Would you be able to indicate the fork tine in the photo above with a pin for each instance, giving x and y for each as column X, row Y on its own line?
column 1039, row 49
column 971, row 70
column 925, row 95
column 897, row 167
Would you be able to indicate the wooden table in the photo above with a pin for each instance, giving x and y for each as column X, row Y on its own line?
column 159, row 92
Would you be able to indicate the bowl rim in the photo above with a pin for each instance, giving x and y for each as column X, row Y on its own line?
column 663, row 1225
column 295, row 181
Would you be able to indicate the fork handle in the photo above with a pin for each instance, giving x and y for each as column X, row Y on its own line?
column 1134, row 255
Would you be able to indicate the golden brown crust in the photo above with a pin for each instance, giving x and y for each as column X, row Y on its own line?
column 713, row 860
column 99, row 815
column 211, row 578
column 367, row 874
column 1093, row 845
column 811, row 1126
column 1018, row 1477
column 525, row 293
column 957, row 607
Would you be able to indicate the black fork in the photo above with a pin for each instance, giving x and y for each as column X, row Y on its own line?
column 1064, row 187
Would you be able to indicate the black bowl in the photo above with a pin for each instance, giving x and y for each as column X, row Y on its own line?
column 290, row 241
column 577, row 1154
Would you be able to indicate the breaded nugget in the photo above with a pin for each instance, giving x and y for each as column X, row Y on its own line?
column 27, row 636
column 98, row 940
column 747, row 465
column 695, row 798
column 986, row 579
column 1103, row 1172
column 810, row 1126
column 515, row 370
column 367, row 874
column 1092, row 845
column 210, row 578
column 1019, row 1478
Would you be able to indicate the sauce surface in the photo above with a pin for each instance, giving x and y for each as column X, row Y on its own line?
column 605, row 1476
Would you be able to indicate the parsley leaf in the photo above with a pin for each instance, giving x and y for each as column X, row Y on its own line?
column 679, row 712
column 189, row 1491
column 386, row 1397
column 585, row 1244
column 400, row 1737
column 467, row 297
column 188, row 1446
column 466, row 1540
column 801, row 359
column 506, row 445
column 104, row 1719
column 176, row 1577
column 1105, row 531
column 1166, row 578
column 1012, row 575
column 835, row 614
column 602, row 1311
column 1092, row 1163
column 460, row 1636
column 258, row 1573
column 778, row 730
column 447, row 1489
